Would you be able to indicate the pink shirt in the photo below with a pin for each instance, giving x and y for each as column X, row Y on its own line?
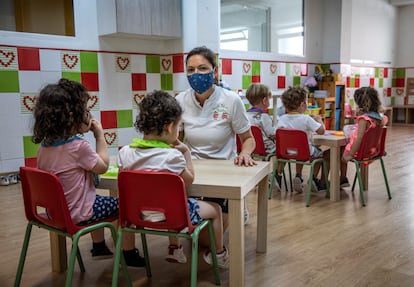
column 71, row 161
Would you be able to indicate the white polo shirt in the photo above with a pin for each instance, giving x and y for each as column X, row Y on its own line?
column 210, row 130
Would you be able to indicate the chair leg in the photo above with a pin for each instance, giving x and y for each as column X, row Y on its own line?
column 308, row 188
column 328, row 188
column 23, row 255
column 146, row 256
column 354, row 183
column 80, row 261
column 290, row 177
column 272, row 179
column 385, row 178
column 72, row 258
column 213, row 253
column 361, row 188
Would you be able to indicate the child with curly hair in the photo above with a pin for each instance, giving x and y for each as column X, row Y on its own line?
column 61, row 115
column 160, row 150
column 369, row 116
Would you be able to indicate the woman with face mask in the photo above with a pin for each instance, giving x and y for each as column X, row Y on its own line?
column 213, row 116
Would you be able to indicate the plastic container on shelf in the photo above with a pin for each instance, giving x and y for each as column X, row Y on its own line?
column 321, row 94
column 328, row 123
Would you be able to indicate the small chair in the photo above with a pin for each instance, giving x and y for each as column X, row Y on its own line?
column 292, row 146
column 259, row 151
column 163, row 195
column 372, row 148
column 46, row 207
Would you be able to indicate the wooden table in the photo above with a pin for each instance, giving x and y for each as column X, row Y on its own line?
column 214, row 178
column 335, row 143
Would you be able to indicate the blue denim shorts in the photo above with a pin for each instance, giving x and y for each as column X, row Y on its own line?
column 194, row 209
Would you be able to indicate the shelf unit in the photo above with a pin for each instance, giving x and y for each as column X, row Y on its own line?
column 335, row 101
column 403, row 115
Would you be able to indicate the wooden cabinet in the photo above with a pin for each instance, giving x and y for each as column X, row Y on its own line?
column 332, row 107
column 148, row 18
column 402, row 115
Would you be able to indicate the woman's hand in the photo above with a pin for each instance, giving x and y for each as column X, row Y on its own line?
column 244, row 159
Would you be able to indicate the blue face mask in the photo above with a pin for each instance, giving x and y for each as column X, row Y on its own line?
column 201, row 82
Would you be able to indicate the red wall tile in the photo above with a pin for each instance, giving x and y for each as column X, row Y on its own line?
column 281, row 82
column 178, row 63
column 139, row 82
column 90, row 81
column 29, row 59
column 109, row 119
column 226, row 66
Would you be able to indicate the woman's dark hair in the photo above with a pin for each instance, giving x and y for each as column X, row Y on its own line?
column 155, row 111
column 368, row 100
column 59, row 111
column 205, row 52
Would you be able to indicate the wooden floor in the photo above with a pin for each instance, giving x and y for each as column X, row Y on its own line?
column 327, row 244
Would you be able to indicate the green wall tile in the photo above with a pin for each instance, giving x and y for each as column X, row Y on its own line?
column 167, row 82
column 72, row 76
column 89, row 61
column 9, row 82
column 124, row 118
column 392, row 101
column 377, row 72
column 289, row 70
column 153, row 64
column 352, row 82
column 394, row 82
column 246, row 81
column 400, row 73
column 380, row 82
column 296, row 81
column 29, row 148
column 255, row 68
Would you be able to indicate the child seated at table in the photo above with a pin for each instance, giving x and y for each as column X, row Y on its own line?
column 295, row 101
column 369, row 116
column 61, row 114
column 160, row 150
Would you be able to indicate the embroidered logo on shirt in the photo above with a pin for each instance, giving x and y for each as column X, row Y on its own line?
column 221, row 112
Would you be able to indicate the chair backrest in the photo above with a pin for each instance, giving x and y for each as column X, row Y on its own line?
column 373, row 144
column 292, row 144
column 146, row 192
column 349, row 113
column 258, row 137
column 44, row 199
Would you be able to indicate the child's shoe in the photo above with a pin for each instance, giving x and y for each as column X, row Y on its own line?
column 12, row 178
column 223, row 258
column 344, row 182
column 4, row 180
column 101, row 251
column 176, row 254
column 133, row 259
column 298, row 184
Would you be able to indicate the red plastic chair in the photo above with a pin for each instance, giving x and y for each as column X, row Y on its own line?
column 292, row 146
column 259, row 151
column 46, row 207
column 162, row 192
column 372, row 148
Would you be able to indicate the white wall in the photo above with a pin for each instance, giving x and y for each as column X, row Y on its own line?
column 86, row 30
column 405, row 40
column 373, row 30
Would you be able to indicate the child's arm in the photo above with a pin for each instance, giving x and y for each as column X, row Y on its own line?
column 362, row 126
column 321, row 129
column 188, row 173
column 101, row 149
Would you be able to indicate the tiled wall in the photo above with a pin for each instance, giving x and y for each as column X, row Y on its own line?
column 118, row 81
